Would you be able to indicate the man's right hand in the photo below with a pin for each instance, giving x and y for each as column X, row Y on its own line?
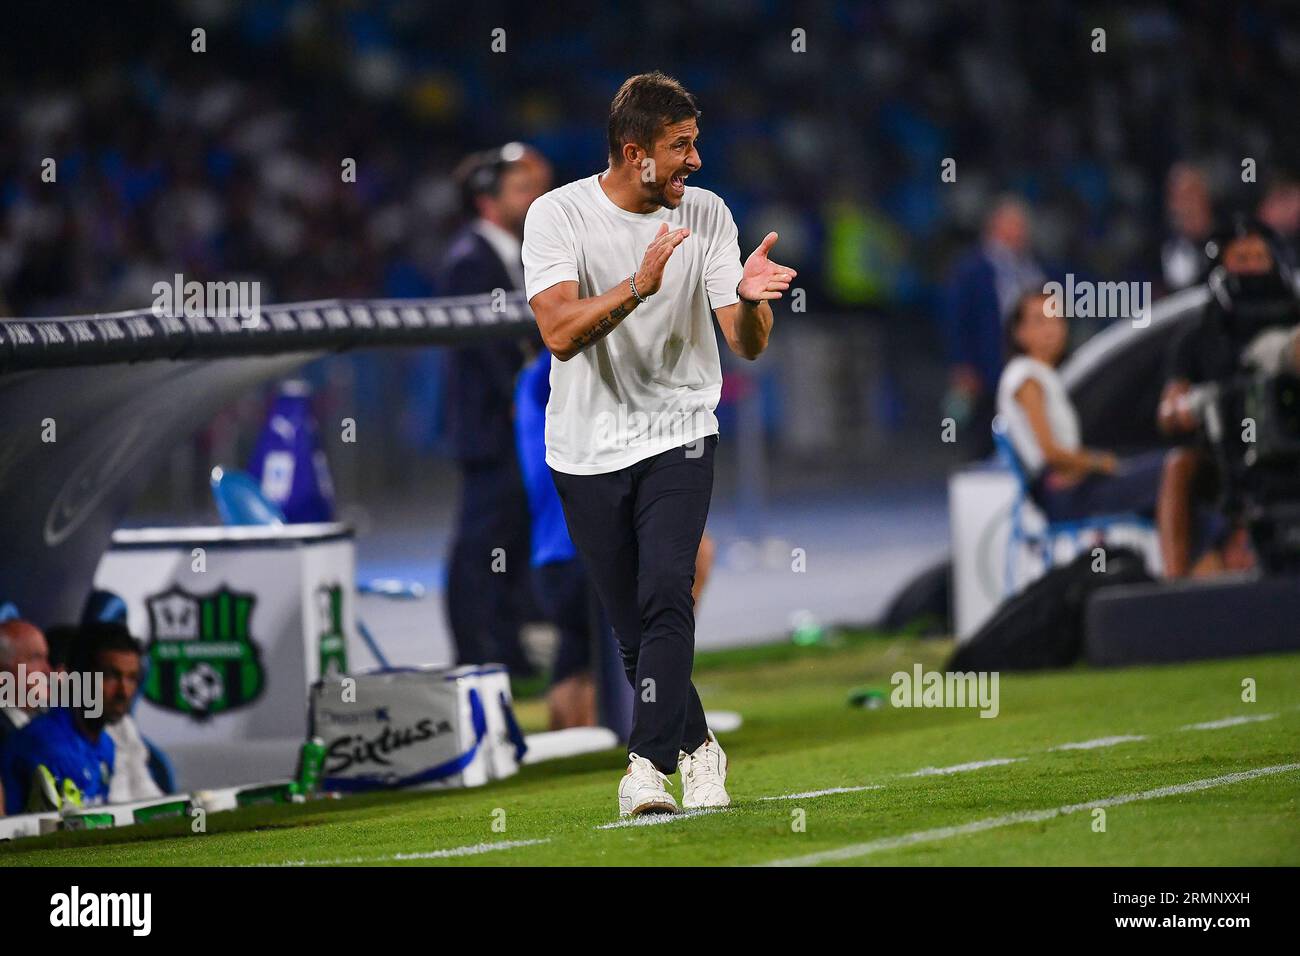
column 569, row 324
column 651, row 274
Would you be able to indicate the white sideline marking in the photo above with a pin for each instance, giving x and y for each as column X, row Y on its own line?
column 1228, row 722
column 999, row 761
column 654, row 819
column 923, row 772
column 824, row 793
column 1101, row 742
column 473, row 850
column 962, row 767
column 1025, row 816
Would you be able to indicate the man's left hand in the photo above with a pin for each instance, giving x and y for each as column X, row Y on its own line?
column 764, row 279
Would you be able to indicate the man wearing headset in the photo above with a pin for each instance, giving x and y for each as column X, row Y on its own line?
column 488, row 595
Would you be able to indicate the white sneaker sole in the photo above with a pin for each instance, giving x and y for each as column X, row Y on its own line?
column 648, row 807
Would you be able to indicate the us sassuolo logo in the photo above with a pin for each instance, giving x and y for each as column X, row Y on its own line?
column 201, row 653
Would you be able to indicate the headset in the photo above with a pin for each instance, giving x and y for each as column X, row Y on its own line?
column 480, row 173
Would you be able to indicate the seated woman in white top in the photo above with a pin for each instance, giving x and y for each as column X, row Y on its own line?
column 1067, row 480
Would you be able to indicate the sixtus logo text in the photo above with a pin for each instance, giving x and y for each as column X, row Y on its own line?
column 355, row 749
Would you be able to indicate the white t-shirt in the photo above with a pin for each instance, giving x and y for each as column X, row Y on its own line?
column 1062, row 419
column 652, row 384
column 130, row 780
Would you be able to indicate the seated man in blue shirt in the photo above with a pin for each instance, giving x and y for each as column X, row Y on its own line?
column 560, row 583
column 65, row 757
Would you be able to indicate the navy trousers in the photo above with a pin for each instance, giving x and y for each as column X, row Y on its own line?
column 1134, row 487
column 638, row 530
column 485, row 608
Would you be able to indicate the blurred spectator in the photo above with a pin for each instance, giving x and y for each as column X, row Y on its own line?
column 61, row 638
column 1249, row 295
column 562, row 588
column 864, row 256
column 984, row 286
column 21, row 644
column 134, row 765
column 65, row 757
column 488, row 592
column 1280, row 211
column 1191, row 220
column 1068, row 480
column 136, row 762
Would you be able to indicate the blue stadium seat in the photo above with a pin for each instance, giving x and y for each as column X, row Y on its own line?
column 1052, row 533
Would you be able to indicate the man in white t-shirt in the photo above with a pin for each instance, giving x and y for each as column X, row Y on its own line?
column 625, row 271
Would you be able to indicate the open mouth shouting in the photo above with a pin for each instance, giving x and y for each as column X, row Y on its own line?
column 677, row 185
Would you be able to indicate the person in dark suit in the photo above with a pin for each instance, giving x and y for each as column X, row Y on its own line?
column 488, row 594
column 982, row 288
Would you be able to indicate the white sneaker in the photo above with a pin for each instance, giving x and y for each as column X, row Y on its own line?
column 704, row 776
column 643, row 790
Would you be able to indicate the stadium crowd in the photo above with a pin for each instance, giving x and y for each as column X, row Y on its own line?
column 229, row 161
column 233, row 162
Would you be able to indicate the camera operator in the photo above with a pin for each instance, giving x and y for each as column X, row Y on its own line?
column 1251, row 292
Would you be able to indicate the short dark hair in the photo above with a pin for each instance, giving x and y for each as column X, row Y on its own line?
column 61, row 638
column 1241, row 225
column 479, row 174
column 1011, row 347
column 643, row 105
column 95, row 638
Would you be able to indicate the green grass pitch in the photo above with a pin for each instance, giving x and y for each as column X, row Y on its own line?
column 800, row 735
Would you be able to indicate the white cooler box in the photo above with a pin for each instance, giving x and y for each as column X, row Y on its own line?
column 417, row 727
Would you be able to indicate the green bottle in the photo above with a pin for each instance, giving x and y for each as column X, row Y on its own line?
column 311, row 764
column 257, row 796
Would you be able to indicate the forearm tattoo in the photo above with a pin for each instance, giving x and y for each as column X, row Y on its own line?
column 602, row 328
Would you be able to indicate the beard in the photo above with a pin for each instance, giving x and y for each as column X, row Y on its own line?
column 658, row 194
